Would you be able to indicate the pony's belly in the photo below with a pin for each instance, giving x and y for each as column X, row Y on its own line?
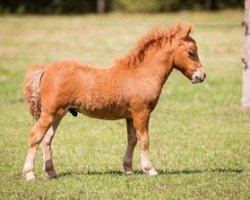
column 108, row 114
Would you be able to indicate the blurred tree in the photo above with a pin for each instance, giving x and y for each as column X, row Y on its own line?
column 174, row 5
column 209, row 4
column 101, row 6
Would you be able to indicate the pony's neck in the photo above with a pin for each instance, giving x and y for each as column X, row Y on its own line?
column 152, row 57
column 156, row 65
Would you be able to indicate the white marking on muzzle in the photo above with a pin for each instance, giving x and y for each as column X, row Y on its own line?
column 198, row 76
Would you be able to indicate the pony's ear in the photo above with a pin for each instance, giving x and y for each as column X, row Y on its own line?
column 185, row 30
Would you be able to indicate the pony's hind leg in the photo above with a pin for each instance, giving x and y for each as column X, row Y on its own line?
column 132, row 140
column 48, row 165
column 36, row 136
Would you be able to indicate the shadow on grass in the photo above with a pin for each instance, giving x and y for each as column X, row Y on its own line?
column 161, row 172
column 198, row 171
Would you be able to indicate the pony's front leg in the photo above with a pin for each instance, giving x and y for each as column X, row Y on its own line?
column 36, row 136
column 48, row 165
column 141, row 121
column 132, row 140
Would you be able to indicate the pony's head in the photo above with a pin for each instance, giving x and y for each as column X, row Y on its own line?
column 185, row 55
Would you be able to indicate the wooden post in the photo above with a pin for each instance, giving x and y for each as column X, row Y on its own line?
column 101, row 6
column 246, row 59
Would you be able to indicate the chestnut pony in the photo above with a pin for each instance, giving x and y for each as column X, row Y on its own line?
column 129, row 90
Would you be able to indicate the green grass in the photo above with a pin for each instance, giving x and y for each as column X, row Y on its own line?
column 200, row 137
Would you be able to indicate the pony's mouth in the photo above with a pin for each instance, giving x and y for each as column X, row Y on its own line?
column 198, row 76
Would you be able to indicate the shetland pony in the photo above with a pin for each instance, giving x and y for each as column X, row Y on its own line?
column 128, row 90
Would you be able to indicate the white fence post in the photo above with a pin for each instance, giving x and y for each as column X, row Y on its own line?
column 246, row 59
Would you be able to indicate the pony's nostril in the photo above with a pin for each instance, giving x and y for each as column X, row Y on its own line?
column 197, row 77
column 205, row 75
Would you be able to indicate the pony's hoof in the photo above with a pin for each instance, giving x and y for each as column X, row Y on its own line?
column 52, row 175
column 151, row 172
column 127, row 167
column 129, row 172
column 30, row 176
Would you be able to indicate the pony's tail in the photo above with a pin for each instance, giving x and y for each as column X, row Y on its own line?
column 32, row 89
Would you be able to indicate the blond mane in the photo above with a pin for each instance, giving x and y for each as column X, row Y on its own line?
column 156, row 37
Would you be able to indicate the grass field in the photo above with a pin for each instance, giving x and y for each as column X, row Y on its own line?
column 200, row 137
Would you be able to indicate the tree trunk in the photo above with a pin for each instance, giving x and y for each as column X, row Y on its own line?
column 101, row 6
column 246, row 58
column 209, row 4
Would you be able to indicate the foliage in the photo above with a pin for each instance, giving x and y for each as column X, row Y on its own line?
column 152, row 5
column 47, row 6
column 80, row 6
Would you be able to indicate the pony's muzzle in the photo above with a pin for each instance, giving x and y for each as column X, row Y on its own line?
column 198, row 76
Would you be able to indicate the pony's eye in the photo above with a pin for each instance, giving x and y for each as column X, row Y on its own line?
column 191, row 54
